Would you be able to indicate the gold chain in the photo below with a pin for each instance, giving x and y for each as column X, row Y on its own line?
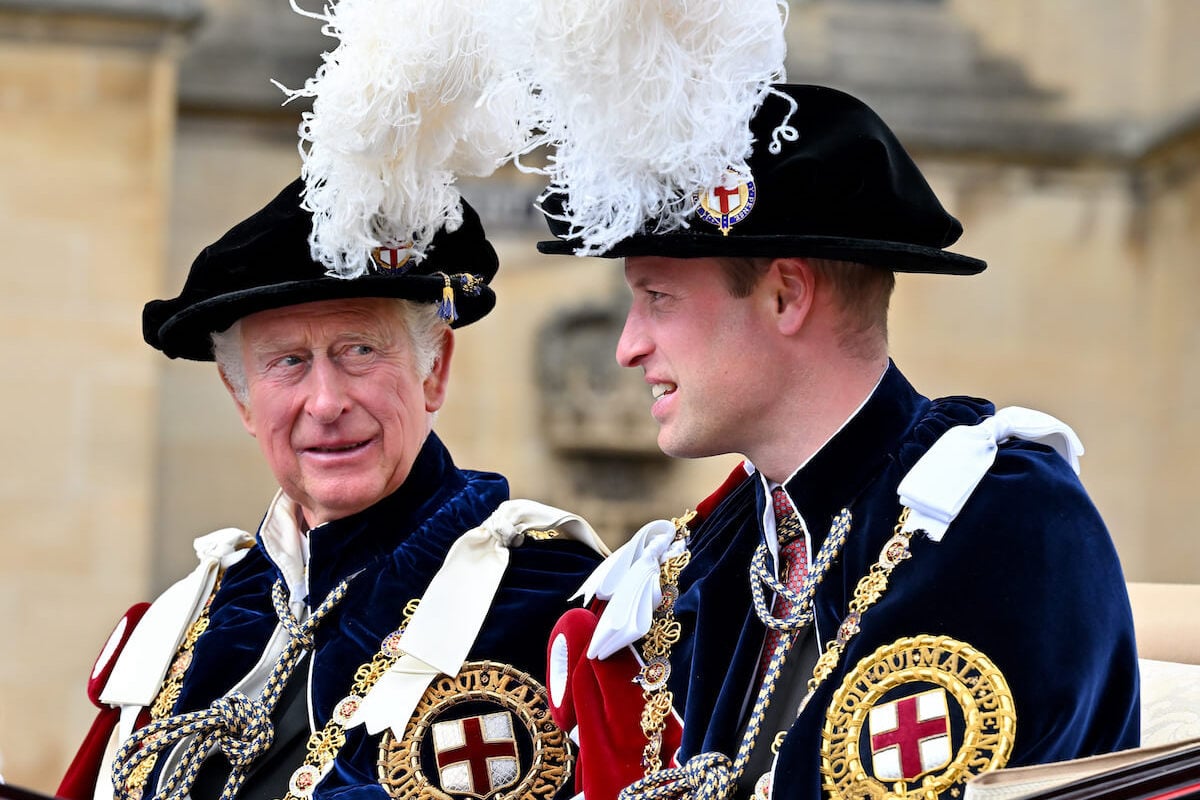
column 541, row 536
column 656, row 650
column 869, row 589
column 324, row 745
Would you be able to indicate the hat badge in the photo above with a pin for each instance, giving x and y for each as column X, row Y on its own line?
column 392, row 258
column 727, row 204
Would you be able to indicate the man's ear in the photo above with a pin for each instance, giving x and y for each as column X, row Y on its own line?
column 438, row 379
column 793, row 284
column 243, row 407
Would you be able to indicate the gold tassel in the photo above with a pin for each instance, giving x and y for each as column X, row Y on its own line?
column 446, row 308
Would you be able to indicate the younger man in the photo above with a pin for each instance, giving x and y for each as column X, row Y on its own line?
column 897, row 593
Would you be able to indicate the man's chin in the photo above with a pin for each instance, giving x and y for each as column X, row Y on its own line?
column 681, row 447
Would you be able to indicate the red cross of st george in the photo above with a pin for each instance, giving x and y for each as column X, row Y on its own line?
column 723, row 194
column 476, row 750
column 908, row 735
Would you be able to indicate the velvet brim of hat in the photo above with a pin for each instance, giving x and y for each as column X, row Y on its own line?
column 897, row 256
column 184, row 330
column 264, row 262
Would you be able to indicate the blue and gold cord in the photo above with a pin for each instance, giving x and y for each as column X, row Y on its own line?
column 714, row 776
column 239, row 726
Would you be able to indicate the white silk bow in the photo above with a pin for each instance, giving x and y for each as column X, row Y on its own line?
column 142, row 664
column 629, row 581
column 451, row 612
column 941, row 482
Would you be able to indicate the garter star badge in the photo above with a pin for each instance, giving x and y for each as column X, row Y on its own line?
column 485, row 733
column 917, row 718
column 727, row 204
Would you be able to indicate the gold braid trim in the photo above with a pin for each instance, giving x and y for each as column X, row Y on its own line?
column 324, row 745
column 869, row 589
column 656, row 651
column 866, row 593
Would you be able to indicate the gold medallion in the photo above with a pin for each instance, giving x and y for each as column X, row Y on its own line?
column 891, row 727
column 485, row 733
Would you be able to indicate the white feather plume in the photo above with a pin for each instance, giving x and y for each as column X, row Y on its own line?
column 645, row 102
column 641, row 103
column 408, row 101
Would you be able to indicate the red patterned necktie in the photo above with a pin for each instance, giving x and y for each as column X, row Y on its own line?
column 793, row 559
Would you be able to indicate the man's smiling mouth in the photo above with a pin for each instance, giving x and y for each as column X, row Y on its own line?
column 662, row 389
column 338, row 448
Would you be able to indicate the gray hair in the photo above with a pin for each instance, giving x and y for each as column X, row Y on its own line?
column 421, row 323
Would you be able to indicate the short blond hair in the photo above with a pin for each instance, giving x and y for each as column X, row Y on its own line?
column 862, row 291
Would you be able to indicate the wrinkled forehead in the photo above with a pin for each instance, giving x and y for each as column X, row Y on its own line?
column 369, row 317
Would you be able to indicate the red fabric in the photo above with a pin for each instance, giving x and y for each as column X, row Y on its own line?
column 601, row 701
column 731, row 482
column 794, row 557
column 79, row 782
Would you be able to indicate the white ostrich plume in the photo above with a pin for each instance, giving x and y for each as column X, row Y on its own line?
column 407, row 101
column 640, row 104
column 645, row 102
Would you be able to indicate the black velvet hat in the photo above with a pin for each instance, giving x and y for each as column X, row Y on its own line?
column 264, row 262
column 843, row 189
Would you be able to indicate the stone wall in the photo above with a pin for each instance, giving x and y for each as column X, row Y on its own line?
column 86, row 110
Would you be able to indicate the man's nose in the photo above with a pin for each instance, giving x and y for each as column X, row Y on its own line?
column 633, row 345
column 327, row 398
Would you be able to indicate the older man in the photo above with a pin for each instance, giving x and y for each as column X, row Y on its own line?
column 383, row 632
column 896, row 593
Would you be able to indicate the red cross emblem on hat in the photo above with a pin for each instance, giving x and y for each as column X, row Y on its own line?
column 476, row 756
column 727, row 204
column 910, row 736
column 391, row 259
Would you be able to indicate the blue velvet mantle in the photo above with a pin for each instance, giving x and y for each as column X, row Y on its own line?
column 395, row 547
column 1027, row 574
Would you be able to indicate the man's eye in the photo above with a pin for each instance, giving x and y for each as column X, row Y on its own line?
column 289, row 361
column 358, row 354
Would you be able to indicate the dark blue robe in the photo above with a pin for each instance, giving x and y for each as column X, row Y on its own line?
column 1027, row 575
column 396, row 547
